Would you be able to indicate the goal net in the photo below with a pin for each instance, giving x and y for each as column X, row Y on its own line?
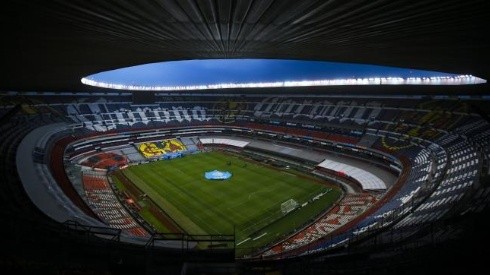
column 288, row 206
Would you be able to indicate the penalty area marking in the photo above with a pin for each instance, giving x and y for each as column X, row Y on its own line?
column 242, row 241
column 256, row 238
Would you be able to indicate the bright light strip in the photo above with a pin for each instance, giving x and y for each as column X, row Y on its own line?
column 438, row 80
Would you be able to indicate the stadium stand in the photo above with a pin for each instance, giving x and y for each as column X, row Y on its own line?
column 102, row 200
column 106, row 161
column 224, row 141
column 345, row 211
column 190, row 143
column 367, row 180
column 358, row 114
column 132, row 154
column 429, row 145
column 156, row 149
column 439, row 165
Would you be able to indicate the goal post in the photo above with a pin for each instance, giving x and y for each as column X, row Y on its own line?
column 288, row 206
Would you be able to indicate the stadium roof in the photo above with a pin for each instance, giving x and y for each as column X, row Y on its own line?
column 51, row 45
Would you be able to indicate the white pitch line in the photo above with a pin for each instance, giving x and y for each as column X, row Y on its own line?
column 242, row 241
column 291, row 174
column 256, row 238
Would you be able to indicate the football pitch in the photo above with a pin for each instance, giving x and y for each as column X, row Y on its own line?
column 248, row 204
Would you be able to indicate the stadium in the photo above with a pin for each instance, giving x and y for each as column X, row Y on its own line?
column 364, row 174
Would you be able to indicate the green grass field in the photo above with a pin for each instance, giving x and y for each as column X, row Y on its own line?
column 248, row 204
